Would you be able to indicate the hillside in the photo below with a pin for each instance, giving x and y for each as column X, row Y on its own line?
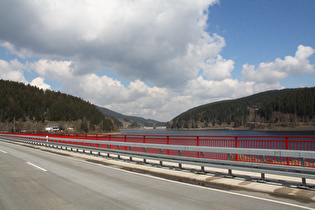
column 270, row 108
column 24, row 107
column 131, row 121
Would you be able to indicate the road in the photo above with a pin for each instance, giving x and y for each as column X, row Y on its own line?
column 35, row 179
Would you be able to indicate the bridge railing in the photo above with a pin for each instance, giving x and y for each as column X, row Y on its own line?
column 283, row 161
column 304, row 143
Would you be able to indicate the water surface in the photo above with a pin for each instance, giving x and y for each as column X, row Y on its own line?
column 217, row 132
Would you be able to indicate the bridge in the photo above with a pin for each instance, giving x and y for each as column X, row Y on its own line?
column 284, row 156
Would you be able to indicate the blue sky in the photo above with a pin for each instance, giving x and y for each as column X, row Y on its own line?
column 156, row 59
column 260, row 31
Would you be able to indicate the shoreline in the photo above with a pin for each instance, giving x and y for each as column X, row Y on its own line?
column 265, row 129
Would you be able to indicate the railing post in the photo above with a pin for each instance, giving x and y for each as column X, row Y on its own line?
column 236, row 146
column 130, row 149
column 287, row 148
column 125, row 140
column 168, row 142
column 109, row 146
column 198, row 146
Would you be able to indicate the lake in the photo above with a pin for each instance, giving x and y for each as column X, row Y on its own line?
column 217, row 132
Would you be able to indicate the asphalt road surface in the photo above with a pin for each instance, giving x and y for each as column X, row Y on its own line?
column 34, row 179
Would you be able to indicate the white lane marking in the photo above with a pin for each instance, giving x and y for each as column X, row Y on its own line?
column 40, row 168
column 3, row 151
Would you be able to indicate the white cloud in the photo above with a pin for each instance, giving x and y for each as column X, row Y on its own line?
column 146, row 40
column 56, row 70
column 279, row 69
column 12, row 70
column 217, row 68
column 208, row 90
column 39, row 82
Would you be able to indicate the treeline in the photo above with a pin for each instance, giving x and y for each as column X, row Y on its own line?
column 258, row 108
column 135, row 121
column 25, row 102
column 300, row 103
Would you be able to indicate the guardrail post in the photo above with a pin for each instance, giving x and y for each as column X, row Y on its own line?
column 130, row 149
column 118, row 148
column 303, row 182
column 160, row 152
column 303, row 179
column 179, row 154
column 144, row 160
column 230, row 175
column 202, row 167
column 262, row 175
column 99, row 146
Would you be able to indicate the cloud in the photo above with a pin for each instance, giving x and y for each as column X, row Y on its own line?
column 205, row 90
column 217, row 68
column 52, row 69
column 12, row 70
column 39, row 82
column 279, row 69
column 146, row 40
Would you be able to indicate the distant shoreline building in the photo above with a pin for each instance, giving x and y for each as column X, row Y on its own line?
column 52, row 128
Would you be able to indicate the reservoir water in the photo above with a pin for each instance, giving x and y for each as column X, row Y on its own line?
column 216, row 132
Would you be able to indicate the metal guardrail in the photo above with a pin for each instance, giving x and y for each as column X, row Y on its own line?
column 140, row 150
column 299, row 142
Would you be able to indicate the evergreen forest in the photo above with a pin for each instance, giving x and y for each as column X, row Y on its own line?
column 25, row 103
column 287, row 107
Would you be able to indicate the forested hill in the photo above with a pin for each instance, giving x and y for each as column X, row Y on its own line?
column 131, row 120
column 286, row 107
column 20, row 104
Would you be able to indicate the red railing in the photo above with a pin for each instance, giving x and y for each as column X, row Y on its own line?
column 254, row 142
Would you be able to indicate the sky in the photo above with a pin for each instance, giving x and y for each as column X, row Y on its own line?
column 158, row 58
